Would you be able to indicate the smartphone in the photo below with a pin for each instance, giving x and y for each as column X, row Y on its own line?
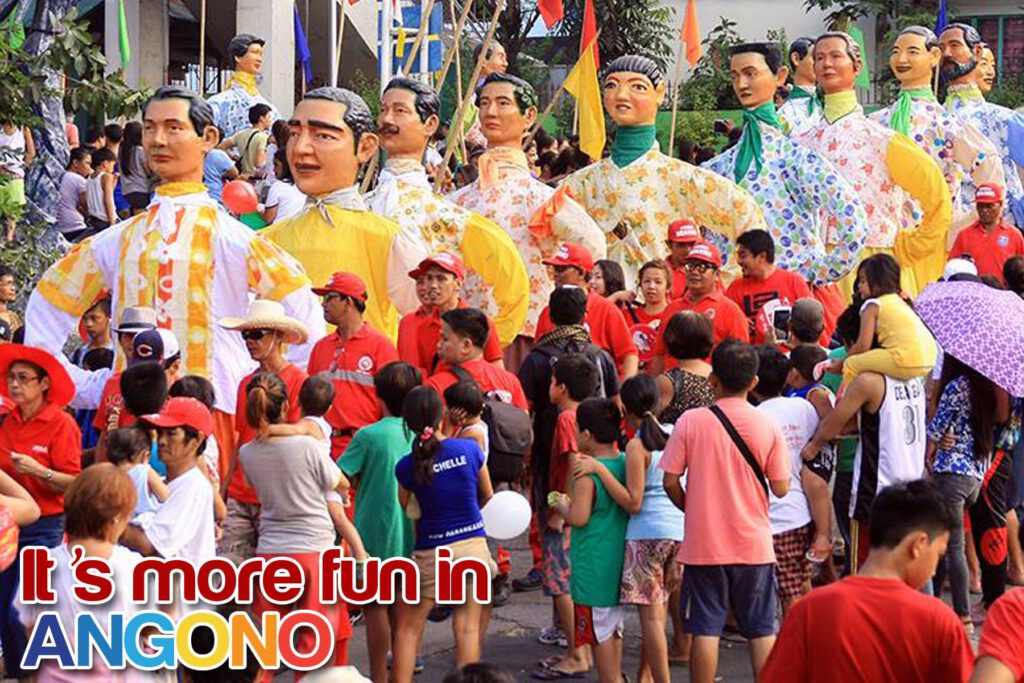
column 780, row 321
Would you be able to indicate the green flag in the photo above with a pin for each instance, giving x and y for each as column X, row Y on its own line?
column 17, row 30
column 122, row 35
column 864, row 78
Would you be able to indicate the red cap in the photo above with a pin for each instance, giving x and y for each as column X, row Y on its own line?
column 708, row 253
column 182, row 411
column 446, row 261
column 684, row 230
column 571, row 254
column 989, row 193
column 347, row 284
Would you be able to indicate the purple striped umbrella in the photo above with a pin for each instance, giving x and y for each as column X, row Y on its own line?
column 983, row 327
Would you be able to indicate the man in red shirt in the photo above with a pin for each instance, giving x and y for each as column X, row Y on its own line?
column 265, row 329
column 351, row 357
column 762, row 281
column 702, row 296
column 572, row 265
column 682, row 235
column 463, row 335
column 990, row 242
column 1000, row 655
column 438, row 281
column 877, row 625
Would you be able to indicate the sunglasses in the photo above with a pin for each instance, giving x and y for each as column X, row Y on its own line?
column 255, row 335
column 699, row 266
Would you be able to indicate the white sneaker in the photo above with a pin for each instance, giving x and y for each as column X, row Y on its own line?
column 552, row 635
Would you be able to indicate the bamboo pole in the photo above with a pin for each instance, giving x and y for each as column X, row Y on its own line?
column 421, row 35
column 675, row 95
column 547, row 112
column 460, row 115
column 341, row 42
column 458, row 74
column 202, row 48
column 453, row 50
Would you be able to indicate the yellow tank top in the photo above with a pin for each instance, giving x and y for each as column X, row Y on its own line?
column 902, row 333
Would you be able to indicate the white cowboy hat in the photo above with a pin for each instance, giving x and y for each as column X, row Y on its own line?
column 268, row 315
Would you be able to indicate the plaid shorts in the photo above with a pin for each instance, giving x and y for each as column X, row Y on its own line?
column 555, row 563
column 792, row 566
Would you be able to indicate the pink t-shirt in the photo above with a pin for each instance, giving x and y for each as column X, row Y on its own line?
column 726, row 508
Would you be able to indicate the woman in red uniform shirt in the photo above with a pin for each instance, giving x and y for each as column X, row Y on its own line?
column 40, row 448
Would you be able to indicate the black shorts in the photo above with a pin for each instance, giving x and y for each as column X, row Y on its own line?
column 710, row 590
column 137, row 200
column 823, row 464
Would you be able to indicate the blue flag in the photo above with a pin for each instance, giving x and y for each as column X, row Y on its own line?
column 941, row 21
column 302, row 47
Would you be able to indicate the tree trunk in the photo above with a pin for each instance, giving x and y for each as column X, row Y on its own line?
column 42, row 182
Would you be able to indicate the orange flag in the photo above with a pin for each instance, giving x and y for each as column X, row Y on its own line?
column 589, row 31
column 551, row 11
column 691, row 34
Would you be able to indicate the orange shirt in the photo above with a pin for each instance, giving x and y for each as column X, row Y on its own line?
column 489, row 377
column 726, row 317
column 607, row 328
column 419, row 331
column 53, row 439
column 989, row 252
column 111, row 405
column 870, row 629
column 351, row 365
column 750, row 295
column 238, row 487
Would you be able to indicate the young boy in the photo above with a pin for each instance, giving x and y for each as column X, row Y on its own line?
column 816, row 474
column 790, row 515
column 598, row 539
column 9, row 320
column 880, row 627
column 370, row 461
column 573, row 380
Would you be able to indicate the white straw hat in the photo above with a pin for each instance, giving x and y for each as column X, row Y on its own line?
column 268, row 315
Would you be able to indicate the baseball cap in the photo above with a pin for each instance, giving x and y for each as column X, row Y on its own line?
column 959, row 266
column 989, row 193
column 571, row 254
column 182, row 411
column 807, row 314
column 446, row 261
column 684, row 230
column 708, row 253
column 147, row 345
column 346, row 284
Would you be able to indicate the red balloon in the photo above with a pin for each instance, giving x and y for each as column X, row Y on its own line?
column 239, row 197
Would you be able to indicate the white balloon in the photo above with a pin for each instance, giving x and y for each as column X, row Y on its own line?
column 506, row 515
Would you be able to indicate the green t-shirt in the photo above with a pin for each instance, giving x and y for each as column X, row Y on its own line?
column 596, row 550
column 846, row 447
column 372, row 455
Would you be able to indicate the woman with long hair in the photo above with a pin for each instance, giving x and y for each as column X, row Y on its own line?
column 966, row 409
column 292, row 475
column 449, row 478
column 607, row 279
column 131, row 163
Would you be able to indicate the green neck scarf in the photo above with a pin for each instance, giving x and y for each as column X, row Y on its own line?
column 631, row 143
column 840, row 104
column 798, row 93
column 751, row 149
column 903, row 110
column 965, row 92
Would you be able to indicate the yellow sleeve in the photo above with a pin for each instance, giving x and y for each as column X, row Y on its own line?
column 273, row 273
column 73, row 283
column 490, row 252
column 921, row 250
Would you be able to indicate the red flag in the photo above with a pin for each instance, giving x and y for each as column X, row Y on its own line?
column 590, row 30
column 551, row 11
column 691, row 34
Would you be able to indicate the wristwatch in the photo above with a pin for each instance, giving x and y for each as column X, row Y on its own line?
column 49, row 474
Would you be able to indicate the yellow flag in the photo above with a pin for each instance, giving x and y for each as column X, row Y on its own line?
column 582, row 83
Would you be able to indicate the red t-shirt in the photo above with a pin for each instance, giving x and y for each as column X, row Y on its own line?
column 418, row 333
column 868, row 629
column 643, row 328
column 678, row 282
column 750, row 295
column 238, row 487
column 607, row 328
column 489, row 377
column 562, row 444
column 53, row 439
column 352, row 365
column 111, row 404
column 989, row 252
column 1001, row 636
column 726, row 317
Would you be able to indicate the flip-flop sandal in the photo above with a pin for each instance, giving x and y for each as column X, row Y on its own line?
column 549, row 662
column 553, row 674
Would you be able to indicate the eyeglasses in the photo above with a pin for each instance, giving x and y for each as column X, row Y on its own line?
column 331, row 296
column 699, row 266
column 255, row 335
column 21, row 378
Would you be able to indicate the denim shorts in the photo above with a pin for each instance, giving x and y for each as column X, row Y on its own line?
column 709, row 591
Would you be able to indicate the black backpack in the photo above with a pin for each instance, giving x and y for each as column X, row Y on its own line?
column 510, row 434
column 595, row 354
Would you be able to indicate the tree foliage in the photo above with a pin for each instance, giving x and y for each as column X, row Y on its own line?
column 628, row 27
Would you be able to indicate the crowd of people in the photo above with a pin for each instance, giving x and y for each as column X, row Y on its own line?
column 711, row 383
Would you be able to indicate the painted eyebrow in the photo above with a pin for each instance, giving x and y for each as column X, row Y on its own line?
column 317, row 123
